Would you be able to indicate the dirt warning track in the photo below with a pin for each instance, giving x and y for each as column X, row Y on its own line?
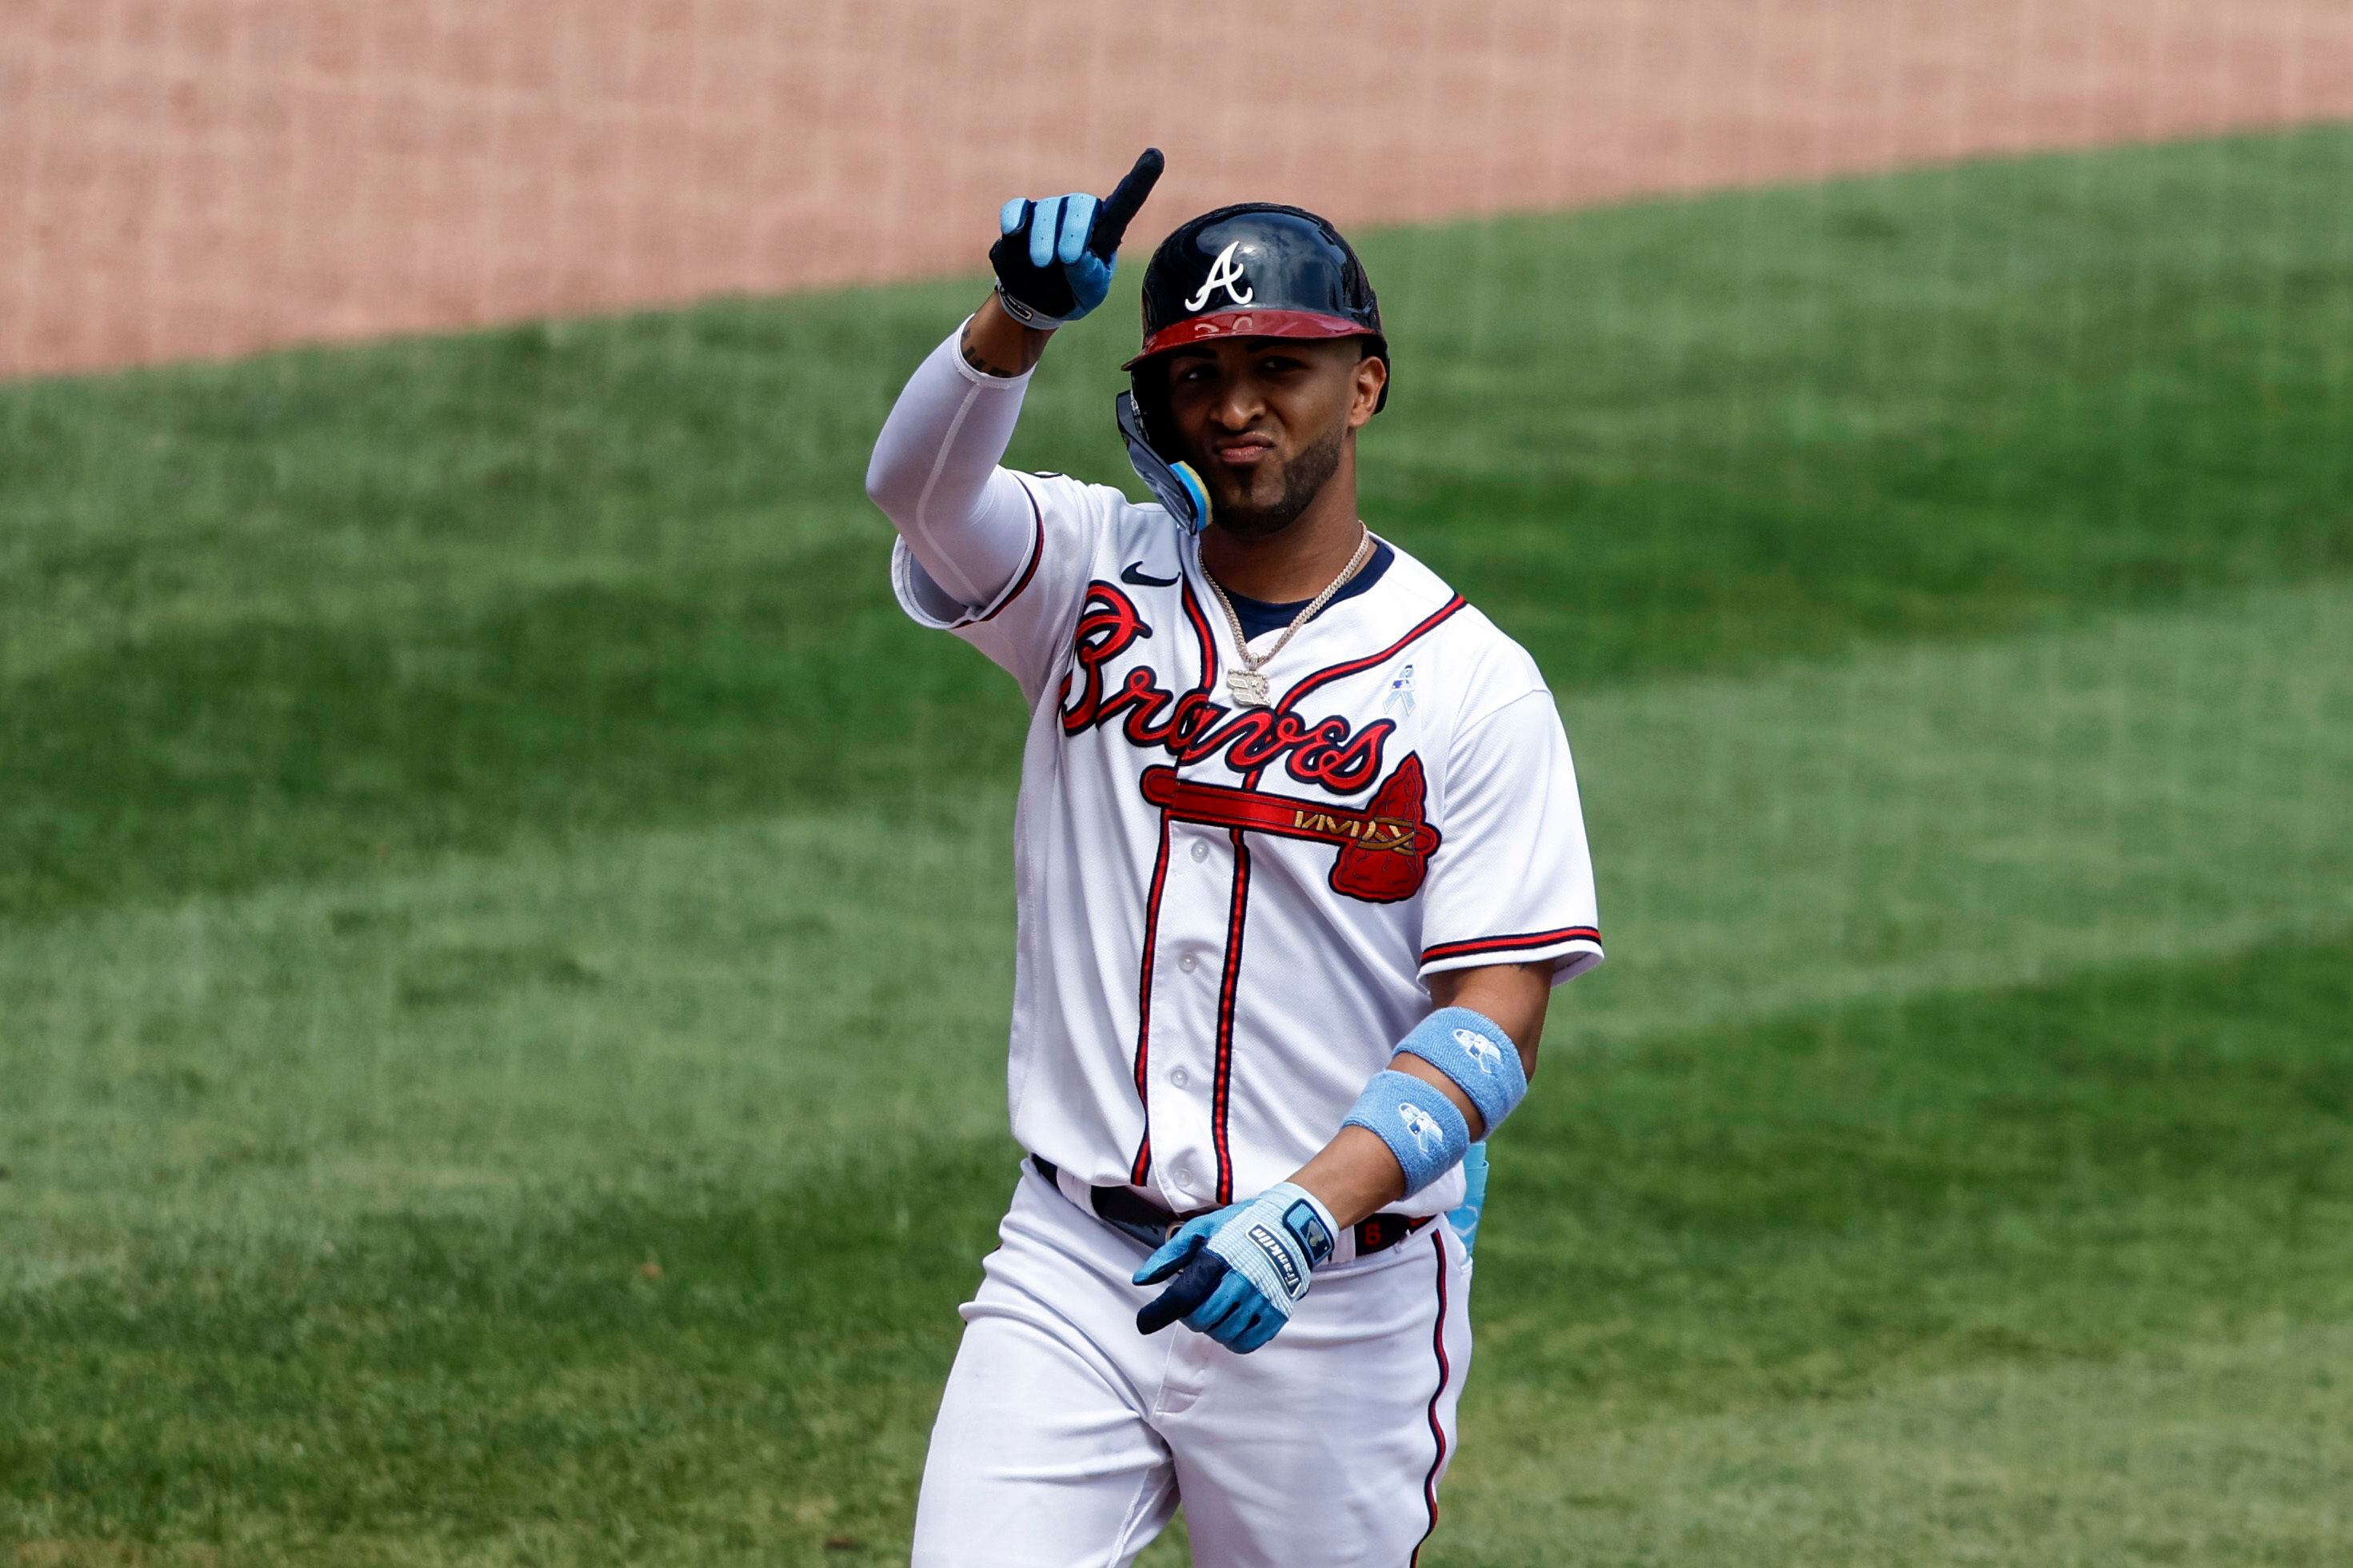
column 186, row 178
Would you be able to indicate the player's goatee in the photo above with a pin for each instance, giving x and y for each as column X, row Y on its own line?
column 1303, row 478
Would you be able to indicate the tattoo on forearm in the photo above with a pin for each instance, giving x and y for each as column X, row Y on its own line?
column 982, row 363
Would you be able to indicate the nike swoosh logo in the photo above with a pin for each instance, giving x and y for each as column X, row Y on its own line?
column 1134, row 572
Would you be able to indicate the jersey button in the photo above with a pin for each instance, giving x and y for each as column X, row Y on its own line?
column 1182, row 1178
column 1179, row 1078
column 1186, row 963
column 1201, row 850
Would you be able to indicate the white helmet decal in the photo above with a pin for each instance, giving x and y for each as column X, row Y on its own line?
column 1225, row 273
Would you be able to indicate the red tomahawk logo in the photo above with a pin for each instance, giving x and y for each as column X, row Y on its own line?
column 1385, row 845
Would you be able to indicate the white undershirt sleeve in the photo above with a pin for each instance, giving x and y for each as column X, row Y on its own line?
column 934, row 473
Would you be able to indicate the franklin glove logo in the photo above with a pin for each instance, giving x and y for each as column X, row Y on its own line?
column 1294, row 1284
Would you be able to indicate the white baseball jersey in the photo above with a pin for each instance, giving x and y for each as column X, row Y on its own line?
column 1228, row 914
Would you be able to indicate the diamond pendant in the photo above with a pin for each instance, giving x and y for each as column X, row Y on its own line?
column 1247, row 687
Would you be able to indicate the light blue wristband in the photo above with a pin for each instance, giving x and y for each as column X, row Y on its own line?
column 1473, row 1049
column 1418, row 1123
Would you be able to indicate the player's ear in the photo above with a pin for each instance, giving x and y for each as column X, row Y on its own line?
column 1372, row 373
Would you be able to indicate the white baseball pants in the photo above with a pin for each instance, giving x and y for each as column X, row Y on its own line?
column 1066, row 1438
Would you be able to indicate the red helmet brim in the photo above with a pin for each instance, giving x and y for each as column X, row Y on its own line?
column 1248, row 323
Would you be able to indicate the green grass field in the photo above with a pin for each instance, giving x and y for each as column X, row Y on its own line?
column 505, row 931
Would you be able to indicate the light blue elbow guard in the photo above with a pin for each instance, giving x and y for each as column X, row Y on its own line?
column 1473, row 1049
column 1418, row 1123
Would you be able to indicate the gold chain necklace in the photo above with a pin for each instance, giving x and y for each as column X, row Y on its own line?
column 1246, row 686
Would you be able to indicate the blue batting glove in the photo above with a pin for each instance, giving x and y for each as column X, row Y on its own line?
column 1054, row 257
column 1240, row 1271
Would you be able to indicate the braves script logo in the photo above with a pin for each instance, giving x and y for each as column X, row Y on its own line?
column 1384, row 844
column 1225, row 273
column 1191, row 727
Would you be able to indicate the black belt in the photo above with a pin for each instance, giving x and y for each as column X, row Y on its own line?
column 1150, row 1224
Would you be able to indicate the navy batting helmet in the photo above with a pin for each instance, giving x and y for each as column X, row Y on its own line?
column 1256, row 270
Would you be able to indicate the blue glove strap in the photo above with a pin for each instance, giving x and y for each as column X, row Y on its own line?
column 1418, row 1123
column 1473, row 1049
column 1465, row 1219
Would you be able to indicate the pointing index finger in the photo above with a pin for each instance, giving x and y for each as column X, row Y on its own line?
column 1202, row 1275
column 1125, row 199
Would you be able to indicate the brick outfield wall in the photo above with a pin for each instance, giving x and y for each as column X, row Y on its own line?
column 189, row 178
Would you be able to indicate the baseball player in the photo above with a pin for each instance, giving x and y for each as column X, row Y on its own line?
column 1298, row 861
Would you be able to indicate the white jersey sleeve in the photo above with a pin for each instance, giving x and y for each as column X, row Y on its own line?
column 1026, row 627
column 1513, row 880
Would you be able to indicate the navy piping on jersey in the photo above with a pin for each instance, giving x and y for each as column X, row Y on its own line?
column 1141, row 1167
column 1437, row 1429
column 1259, row 617
column 1036, row 553
column 1222, row 1082
column 1517, row 942
column 1142, row 1163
